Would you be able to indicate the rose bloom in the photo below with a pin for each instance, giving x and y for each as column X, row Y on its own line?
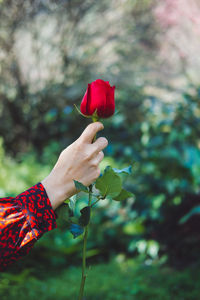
column 99, row 97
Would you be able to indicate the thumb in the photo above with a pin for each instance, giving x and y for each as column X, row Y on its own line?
column 90, row 131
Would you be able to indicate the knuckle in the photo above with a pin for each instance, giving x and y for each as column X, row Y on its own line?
column 79, row 145
column 62, row 153
column 95, row 147
column 86, row 155
column 94, row 163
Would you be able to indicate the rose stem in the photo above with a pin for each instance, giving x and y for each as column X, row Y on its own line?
column 84, row 251
column 83, row 278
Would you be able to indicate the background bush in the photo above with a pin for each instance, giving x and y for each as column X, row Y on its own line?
column 50, row 50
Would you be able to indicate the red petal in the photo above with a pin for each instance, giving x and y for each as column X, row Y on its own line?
column 85, row 104
column 110, row 102
column 98, row 97
column 102, row 82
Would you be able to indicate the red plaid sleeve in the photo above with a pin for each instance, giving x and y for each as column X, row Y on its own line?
column 23, row 220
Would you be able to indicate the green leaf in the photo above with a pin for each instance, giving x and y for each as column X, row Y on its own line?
column 76, row 230
column 81, row 187
column 194, row 211
column 109, row 183
column 85, row 216
column 127, row 170
column 123, row 195
column 74, row 220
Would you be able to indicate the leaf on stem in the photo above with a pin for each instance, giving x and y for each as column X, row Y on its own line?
column 109, row 184
column 76, row 230
column 85, row 216
column 123, row 195
column 127, row 170
column 74, row 220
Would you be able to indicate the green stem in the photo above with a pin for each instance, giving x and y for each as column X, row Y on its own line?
column 84, row 275
column 95, row 118
column 96, row 202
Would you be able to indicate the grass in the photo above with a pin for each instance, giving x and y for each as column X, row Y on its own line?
column 128, row 280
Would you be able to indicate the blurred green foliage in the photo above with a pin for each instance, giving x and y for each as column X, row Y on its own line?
column 50, row 50
column 118, row 280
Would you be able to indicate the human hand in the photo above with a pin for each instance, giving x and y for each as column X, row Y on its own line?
column 79, row 161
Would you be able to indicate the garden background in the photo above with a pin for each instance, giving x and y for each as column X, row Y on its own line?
column 144, row 247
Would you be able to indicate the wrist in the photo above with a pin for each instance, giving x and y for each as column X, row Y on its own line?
column 56, row 191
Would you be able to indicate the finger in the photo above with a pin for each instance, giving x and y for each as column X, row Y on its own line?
column 100, row 144
column 90, row 131
column 98, row 158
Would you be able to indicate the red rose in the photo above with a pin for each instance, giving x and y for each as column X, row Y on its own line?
column 100, row 97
